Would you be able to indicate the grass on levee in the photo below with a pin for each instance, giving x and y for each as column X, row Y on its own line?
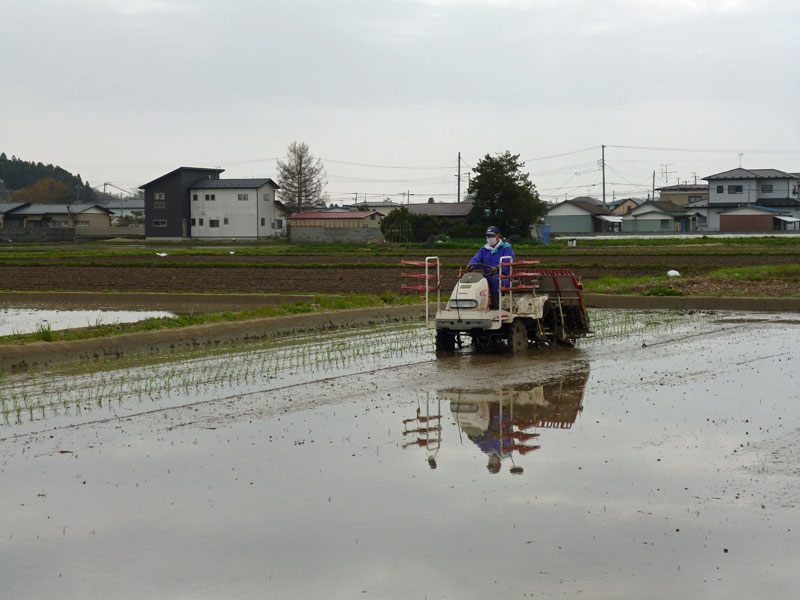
column 321, row 303
column 759, row 272
column 619, row 285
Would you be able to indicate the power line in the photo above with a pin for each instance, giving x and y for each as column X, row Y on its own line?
column 342, row 162
column 562, row 154
column 707, row 150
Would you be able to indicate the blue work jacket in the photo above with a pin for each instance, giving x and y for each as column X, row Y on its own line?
column 492, row 258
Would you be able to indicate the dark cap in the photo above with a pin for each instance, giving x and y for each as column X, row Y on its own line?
column 492, row 230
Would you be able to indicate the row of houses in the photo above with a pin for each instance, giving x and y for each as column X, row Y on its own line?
column 739, row 200
column 192, row 202
column 198, row 203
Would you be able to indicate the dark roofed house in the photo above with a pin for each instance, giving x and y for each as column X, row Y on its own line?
column 382, row 206
column 684, row 193
column 624, row 206
column 771, row 188
column 7, row 208
column 661, row 216
column 54, row 216
column 166, row 201
column 446, row 210
column 581, row 216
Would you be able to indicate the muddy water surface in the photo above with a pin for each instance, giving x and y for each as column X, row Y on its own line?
column 657, row 460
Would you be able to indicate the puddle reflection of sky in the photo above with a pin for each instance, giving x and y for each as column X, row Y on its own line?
column 25, row 320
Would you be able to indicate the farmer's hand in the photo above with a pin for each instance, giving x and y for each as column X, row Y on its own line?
column 493, row 270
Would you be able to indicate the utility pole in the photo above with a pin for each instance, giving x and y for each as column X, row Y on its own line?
column 654, row 184
column 459, row 178
column 603, row 161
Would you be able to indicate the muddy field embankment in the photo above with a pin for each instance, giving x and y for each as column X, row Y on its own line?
column 166, row 342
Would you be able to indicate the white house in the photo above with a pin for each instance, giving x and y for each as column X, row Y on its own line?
column 236, row 208
column 769, row 188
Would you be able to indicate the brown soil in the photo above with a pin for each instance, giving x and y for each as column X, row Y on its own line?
column 333, row 280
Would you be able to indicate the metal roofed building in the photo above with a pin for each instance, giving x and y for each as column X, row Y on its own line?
column 29, row 215
column 6, row 207
column 125, row 207
column 321, row 227
column 446, row 210
column 755, row 218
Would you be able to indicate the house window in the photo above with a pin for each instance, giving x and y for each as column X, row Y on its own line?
column 278, row 224
column 200, row 221
column 735, row 189
column 194, row 197
column 213, row 222
column 159, row 196
column 82, row 223
column 372, row 217
column 159, row 204
column 210, row 197
column 193, row 222
column 263, row 221
column 695, row 198
column 766, row 187
column 225, row 221
column 266, row 197
column 159, row 222
column 720, row 189
column 241, row 197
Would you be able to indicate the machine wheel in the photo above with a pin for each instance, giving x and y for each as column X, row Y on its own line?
column 518, row 336
column 481, row 342
column 445, row 341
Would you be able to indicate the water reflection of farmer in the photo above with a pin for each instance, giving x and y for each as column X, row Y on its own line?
column 491, row 427
column 488, row 257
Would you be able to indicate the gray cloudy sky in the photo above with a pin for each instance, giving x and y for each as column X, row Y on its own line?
column 125, row 90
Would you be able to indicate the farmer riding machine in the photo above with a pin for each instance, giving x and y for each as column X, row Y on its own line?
column 535, row 307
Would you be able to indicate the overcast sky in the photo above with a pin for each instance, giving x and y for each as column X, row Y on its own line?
column 126, row 90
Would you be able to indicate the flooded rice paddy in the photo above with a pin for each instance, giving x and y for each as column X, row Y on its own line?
column 658, row 459
column 26, row 320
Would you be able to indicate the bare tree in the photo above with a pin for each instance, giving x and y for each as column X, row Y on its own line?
column 302, row 179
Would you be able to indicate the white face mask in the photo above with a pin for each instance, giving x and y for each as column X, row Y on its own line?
column 491, row 240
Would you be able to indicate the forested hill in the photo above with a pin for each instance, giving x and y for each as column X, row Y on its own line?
column 18, row 174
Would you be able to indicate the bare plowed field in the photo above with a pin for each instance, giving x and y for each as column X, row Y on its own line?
column 673, row 259
column 323, row 280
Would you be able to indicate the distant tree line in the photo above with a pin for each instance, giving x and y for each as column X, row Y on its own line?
column 503, row 196
column 27, row 181
column 400, row 225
